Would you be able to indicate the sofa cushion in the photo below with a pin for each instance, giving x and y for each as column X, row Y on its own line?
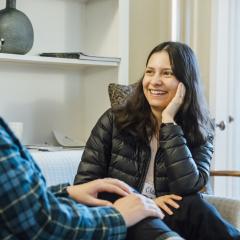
column 118, row 93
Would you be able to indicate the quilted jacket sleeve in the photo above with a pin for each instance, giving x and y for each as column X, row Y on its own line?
column 187, row 169
column 95, row 158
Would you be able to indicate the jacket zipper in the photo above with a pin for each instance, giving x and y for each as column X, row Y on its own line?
column 154, row 171
column 141, row 182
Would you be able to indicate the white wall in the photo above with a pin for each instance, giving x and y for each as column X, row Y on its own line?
column 196, row 32
column 149, row 26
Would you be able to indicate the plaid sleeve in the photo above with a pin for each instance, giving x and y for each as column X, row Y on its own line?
column 28, row 210
column 57, row 189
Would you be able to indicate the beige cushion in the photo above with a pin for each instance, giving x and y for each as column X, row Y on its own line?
column 229, row 208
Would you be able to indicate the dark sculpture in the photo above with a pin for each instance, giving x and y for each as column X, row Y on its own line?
column 16, row 31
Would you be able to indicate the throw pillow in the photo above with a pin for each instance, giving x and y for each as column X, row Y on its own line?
column 118, row 93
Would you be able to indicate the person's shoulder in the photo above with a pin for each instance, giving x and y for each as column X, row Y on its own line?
column 5, row 134
column 106, row 118
column 107, row 114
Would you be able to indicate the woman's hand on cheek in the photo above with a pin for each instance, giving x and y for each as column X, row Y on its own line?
column 172, row 108
column 167, row 202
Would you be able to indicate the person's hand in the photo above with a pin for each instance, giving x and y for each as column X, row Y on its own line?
column 168, row 200
column 172, row 108
column 87, row 193
column 136, row 207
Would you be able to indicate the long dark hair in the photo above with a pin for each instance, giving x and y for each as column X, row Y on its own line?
column 136, row 118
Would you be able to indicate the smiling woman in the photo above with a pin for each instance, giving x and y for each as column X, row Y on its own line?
column 159, row 83
column 159, row 141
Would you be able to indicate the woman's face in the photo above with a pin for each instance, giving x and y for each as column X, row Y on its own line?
column 159, row 83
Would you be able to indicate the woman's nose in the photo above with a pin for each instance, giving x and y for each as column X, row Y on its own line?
column 157, row 79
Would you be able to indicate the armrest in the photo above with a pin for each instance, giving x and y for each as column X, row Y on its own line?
column 219, row 173
column 229, row 208
column 58, row 166
column 227, row 173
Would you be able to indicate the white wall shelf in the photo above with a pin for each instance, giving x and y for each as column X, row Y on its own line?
column 67, row 95
column 14, row 58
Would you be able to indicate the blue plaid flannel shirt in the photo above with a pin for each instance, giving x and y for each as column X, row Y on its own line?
column 29, row 210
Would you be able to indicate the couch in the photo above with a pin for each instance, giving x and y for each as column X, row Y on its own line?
column 61, row 166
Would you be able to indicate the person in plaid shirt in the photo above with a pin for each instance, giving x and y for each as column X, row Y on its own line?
column 30, row 210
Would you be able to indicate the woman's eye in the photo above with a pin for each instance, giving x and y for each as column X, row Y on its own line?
column 148, row 71
column 168, row 73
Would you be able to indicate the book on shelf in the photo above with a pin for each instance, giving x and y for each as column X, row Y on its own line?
column 79, row 55
column 63, row 143
column 50, row 148
column 43, row 147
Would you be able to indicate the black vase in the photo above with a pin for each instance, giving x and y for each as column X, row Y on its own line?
column 16, row 31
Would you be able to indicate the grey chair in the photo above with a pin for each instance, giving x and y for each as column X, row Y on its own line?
column 228, row 207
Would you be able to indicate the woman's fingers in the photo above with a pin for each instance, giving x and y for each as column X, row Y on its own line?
column 167, row 201
column 172, row 108
column 180, row 94
column 164, row 207
column 173, row 203
column 175, row 197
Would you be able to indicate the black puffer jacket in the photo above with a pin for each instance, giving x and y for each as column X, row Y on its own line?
column 178, row 169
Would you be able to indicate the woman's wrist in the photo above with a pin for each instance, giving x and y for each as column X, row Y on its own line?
column 168, row 120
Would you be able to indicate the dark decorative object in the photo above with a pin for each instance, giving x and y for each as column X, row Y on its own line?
column 16, row 31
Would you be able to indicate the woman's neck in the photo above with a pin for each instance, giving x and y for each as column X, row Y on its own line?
column 158, row 116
